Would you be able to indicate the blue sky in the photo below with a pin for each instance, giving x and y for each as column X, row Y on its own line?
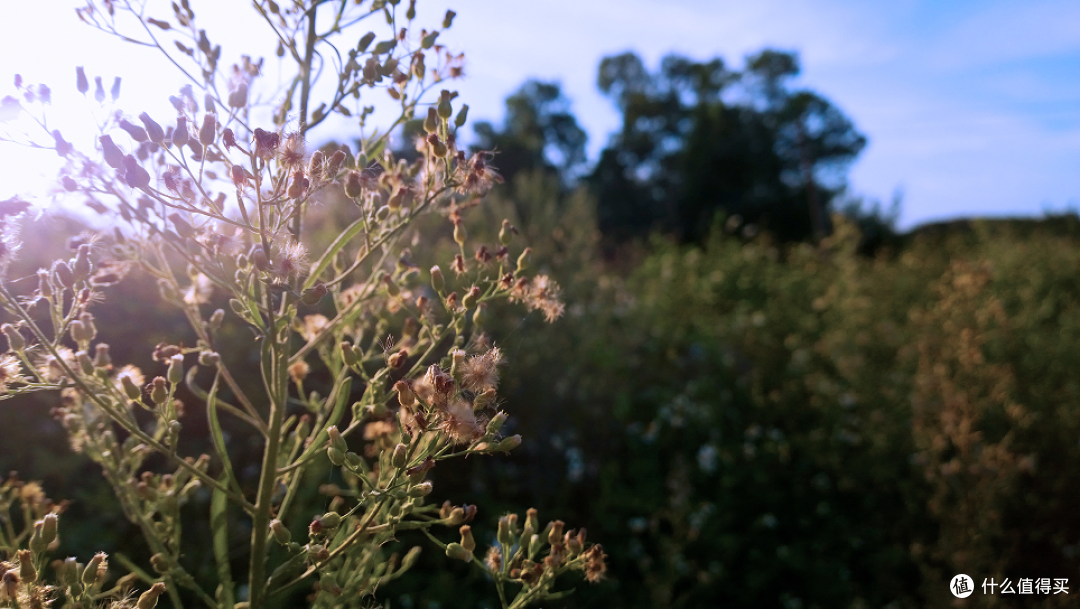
column 971, row 108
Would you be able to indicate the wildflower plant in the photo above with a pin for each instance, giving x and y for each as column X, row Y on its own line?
column 212, row 204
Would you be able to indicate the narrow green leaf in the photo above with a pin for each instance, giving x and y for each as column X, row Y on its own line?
column 335, row 247
column 219, row 520
column 342, row 398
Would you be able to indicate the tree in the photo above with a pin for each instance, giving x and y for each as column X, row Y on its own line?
column 538, row 132
column 698, row 138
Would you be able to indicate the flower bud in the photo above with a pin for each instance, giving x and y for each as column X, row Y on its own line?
column 444, row 108
column 153, row 130
column 63, row 274
column 314, row 294
column 336, row 456
column 16, row 342
column 10, row 584
column 406, row 397
column 457, row 552
column 336, row 440
column 91, row 575
column 158, row 391
column 44, row 286
column 330, row 520
column 101, row 356
column 49, row 528
column 208, row 130
column 523, row 260
column 353, row 460
column 467, row 540
column 462, row 116
column 431, row 123
column 81, row 84
column 506, row 233
column 555, row 533
column 504, row 534
column 508, row 444
column 239, row 97
column 348, row 354
column 259, row 258
column 421, row 490
column 85, row 364
column 334, row 165
column 352, row 185
column 113, row 155
column 400, row 455
column 176, row 369
column 149, row 599
column 469, row 300
column 437, row 280
column 280, row 532
column 496, row 421
column 459, row 233
column 210, row 359
column 438, row 148
column 456, row 517
column 136, row 132
column 216, row 319
column 26, row 566
column 180, row 135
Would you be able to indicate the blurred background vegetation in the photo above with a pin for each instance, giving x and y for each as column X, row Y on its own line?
column 761, row 395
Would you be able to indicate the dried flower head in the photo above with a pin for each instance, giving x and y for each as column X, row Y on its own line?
column 481, row 372
column 131, row 373
column 291, row 153
column 595, row 567
column 291, row 262
column 298, row 371
column 459, row 422
column 199, row 291
column 50, row 367
column 10, row 371
column 493, row 560
column 266, row 144
column 312, row 325
column 539, row 293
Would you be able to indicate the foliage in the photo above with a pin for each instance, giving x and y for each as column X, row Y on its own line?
column 698, row 138
column 224, row 219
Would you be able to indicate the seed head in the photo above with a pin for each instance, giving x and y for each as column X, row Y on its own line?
column 291, row 154
column 266, row 144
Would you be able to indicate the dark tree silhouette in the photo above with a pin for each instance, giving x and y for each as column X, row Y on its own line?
column 698, row 138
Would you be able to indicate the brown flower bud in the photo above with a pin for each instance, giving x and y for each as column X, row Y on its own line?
column 352, row 185
column 26, row 566
column 431, row 123
column 153, row 130
column 136, row 132
column 208, row 130
column 16, row 342
column 180, row 135
column 334, row 165
column 113, row 155
column 158, row 391
column 467, row 540
column 239, row 97
column 149, row 599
